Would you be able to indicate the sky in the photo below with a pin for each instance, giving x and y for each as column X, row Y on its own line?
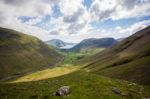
column 75, row 20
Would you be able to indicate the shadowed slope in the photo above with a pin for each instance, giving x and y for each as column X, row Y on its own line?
column 21, row 53
column 130, row 59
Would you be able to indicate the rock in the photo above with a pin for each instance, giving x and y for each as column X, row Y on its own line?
column 116, row 91
column 124, row 94
column 145, row 97
column 132, row 84
column 63, row 91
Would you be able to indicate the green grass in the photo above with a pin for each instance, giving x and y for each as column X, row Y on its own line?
column 91, row 51
column 135, row 64
column 73, row 57
column 135, row 71
column 47, row 73
column 83, row 85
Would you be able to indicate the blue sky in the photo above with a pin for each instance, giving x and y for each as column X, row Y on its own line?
column 87, row 3
column 110, row 24
column 75, row 20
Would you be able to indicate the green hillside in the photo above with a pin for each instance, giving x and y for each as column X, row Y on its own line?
column 129, row 60
column 21, row 53
column 83, row 85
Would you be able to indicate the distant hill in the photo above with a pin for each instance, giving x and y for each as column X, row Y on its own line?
column 129, row 60
column 121, row 39
column 93, row 43
column 21, row 53
column 58, row 43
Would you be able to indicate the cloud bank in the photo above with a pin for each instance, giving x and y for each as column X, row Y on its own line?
column 71, row 20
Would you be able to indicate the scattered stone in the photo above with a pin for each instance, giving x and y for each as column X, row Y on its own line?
column 132, row 84
column 124, row 94
column 141, row 90
column 145, row 98
column 116, row 91
column 63, row 91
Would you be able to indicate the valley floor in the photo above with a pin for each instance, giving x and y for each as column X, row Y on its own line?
column 84, row 85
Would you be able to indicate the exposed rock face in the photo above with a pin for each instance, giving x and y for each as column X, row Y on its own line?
column 63, row 91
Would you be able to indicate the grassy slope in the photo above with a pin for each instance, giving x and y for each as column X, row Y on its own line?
column 128, row 60
column 83, row 86
column 20, row 53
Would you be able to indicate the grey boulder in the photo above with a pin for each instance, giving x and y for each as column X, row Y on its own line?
column 63, row 91
column 116, row 90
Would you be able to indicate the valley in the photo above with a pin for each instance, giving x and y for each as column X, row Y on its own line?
column 91, row 72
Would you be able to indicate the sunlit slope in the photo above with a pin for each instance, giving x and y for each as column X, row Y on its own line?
column 46, row 73
column 83, row 85
column 129, row 60
column 21, row 53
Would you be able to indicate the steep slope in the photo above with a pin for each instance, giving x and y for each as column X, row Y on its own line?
column 20, row 53
column 129, row 60
column 58, row 43
column 94, row 43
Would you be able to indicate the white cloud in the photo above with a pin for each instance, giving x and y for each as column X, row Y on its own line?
column 119, row 9
column 118, row 32
column 25, row 7
column 69, row 7
column 12, row 9
column 125, row 32
column 74, row 23
column 138, row 10
column 75, row 15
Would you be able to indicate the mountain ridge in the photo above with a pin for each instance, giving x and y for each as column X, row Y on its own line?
column 94, row 43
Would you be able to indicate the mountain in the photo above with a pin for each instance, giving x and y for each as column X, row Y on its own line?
column 21, row 53
column 92, row 43
column 56, row 43
column 128, row 60
column 59, row 43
